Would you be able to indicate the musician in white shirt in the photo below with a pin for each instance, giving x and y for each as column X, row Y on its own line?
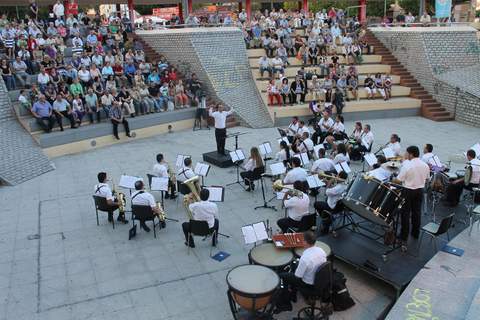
column 413, row 175
column 296, row 174
column 297, row 206
column 430, row 158
column 302, row 128
column 304, row 276
column 379, row 171
column 366, row 138
column 323, row 127
column 102, row 189
column 284, row 154
column 186, row 172
column 394, row 144
column 454, row 189
column 337, row 132
column 334, row 194
column 341, row 154
column 220, row 117
column 253, row 169
column 292, row 129
column 160, row 169
column 322, row 164
column 305, row 144
column 202, row 210
column 142, row 198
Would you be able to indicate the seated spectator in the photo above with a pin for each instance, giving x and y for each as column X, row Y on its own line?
column 78, row 109
column 264, row 65
column 20, row 71
column 126, row 101
column 181, row 98
column 24, row 100
column 7, row 75
column 116, row 117
column 42, row 111
column 62, row 109
column 273, row 93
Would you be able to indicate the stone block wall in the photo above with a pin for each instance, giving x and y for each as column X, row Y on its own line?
column 219, row 58
column 436, row 55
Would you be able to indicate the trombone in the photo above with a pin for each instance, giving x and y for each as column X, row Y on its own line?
column 323, row 175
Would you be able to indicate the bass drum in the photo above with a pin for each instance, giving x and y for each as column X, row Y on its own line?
column 372, row 200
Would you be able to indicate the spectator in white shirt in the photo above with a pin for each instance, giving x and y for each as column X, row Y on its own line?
column 59, row 10
column 202, row 210
column 43, row 79
column 264, row 65
column 333, row 204
column 297, row 206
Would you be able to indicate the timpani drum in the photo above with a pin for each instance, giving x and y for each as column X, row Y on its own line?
column 299, row 251
column 270, row 256
column 252, row 286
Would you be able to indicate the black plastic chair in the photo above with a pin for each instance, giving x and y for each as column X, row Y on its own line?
column 201, row 229
column 102, row 205
column 306, row 223
column 144, row 213
column 183, row 188
column 435, row 230
column 321, row 291
column 256, row 175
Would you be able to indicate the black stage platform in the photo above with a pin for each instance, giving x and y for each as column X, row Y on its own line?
column 399, row 268
column 219, row 160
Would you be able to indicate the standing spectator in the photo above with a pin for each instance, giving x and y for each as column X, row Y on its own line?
column 116, row 117
column 42, row 111
column 59, row 10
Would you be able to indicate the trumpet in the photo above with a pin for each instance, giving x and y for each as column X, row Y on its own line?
column 278, row 186
column 322, row 174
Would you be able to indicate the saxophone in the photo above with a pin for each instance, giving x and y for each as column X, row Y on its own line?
column 120, row 199
column 193, row 196
column 162, row 216
column 172, row 177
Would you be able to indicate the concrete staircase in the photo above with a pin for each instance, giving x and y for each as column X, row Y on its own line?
column 152, row 56
column 431, row 109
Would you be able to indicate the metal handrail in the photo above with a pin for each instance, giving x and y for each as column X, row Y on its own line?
column 418, row 24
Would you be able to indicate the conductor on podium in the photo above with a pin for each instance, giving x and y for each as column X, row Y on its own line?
column 220, row 117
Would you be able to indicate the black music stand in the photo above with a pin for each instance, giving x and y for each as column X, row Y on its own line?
column 237, row 165
column 235, row 135
column 265, row 202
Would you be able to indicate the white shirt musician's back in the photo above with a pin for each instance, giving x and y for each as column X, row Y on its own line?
column 414, row 174
column 103, row 190
column 143, row 198
column 297, row 207
column 204, row 211
column 311, row 259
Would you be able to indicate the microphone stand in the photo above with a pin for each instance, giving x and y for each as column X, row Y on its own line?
column 265, row 202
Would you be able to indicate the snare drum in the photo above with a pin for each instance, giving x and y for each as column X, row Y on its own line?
column 270, row 256
column 251, row 286
column 299, row 251
column 373, row 200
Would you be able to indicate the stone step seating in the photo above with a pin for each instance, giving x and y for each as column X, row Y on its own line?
column 354, row 110
column 370, row 58
column 397, row 91
column 262, row 84
column 291, row 72
column 431, row 109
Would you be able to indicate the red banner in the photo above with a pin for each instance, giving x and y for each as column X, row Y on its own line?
column 165, row 13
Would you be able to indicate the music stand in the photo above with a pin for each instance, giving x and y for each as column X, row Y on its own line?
column 128, row 182
column 217, row 194
column 265, row 149
column 237, row 157
column 265, row 202
column 202, row 170
column 235, row 135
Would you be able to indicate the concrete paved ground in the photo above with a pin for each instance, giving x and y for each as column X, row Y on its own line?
column 58, row 264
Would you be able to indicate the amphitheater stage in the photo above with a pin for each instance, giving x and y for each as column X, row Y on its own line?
column 399, row 268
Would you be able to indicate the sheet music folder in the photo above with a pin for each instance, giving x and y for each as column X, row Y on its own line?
column 254, row 232
column 128, row 182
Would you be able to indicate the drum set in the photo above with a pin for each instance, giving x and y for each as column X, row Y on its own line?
column 253, row 288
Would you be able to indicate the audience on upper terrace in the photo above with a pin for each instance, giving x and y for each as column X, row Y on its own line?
column 84, row 66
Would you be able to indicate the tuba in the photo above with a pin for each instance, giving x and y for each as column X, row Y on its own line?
column 278, row 186
column 193, row 196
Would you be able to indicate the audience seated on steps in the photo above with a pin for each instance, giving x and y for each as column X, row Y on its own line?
column 91, row 62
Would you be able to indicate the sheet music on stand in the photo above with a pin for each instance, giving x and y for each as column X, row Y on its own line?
column 371, row 159
column 128, row 182
column 217, row 193
column 277, row 168
column 159, row 184
column 388, row 152
column 237, row 155
column 281, row 194
column 314, row 182
column 265, row 148
column 343, row 166
column 284, row 139
column 201, row 169
column 180, row 159
column 303, row 158
column 255, row 232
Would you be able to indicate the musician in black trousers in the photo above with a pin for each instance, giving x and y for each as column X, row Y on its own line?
column 413, row 175
column 220, row 117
